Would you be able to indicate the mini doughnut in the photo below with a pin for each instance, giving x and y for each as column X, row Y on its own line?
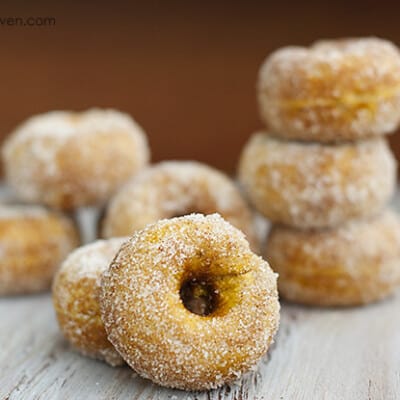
column 335, row 90
column 176, row 188
column 150, row 303
column 33, row 243
column 355, row 264
column 312, row 185
column 75, row 297
column 71, row 159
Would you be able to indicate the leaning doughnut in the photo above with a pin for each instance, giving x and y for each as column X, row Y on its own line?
column 151, row 294
column 75, row 297
column 335, row 90
column 354, row 264
column 176, row 188
column 310, row 185
column 70, row 159
column 33, row 242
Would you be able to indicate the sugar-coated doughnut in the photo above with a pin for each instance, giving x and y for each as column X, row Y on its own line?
column 71, row 159
column 150, row 303
column 176, row 188
column 33, row 242
column 357, row 263
column 335, row 90
column 311, row 185
column 75, row 296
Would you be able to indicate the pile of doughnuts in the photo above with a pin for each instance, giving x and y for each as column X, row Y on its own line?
column 175, row 288
column 322, row 170
column 61, row 161
column 185, row 301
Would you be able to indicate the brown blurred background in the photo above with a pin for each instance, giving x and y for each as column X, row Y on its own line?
column 186, row 71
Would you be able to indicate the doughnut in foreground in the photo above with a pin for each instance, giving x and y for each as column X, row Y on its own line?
column 33, row 242
column 75, row 297
column 333, row 91
column 166, row 270
column 357, row 263
column 176, row 188
column 71, row 159
column 315, row 185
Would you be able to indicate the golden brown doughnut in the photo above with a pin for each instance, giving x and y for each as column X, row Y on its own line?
column 176, row 188
column 356, row 263
column 335, row 90
column 314, row 185
column 33, row 242
column 75, row 297
column 166, row 270
column 71, row 159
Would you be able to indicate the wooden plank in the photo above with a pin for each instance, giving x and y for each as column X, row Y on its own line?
column 319, row 354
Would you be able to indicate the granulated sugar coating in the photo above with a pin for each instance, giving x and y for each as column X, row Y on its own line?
column 355, row 264
column 176, row 188
column 335, row 90
column 148, row 323
column 33, row 242
column 311, row 185
column 70, row 159
column 75, row 297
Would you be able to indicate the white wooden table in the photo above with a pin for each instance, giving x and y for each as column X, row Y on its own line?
column 319, row 354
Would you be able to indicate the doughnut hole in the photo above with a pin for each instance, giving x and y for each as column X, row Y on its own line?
column 210, row 289
column 199, row 296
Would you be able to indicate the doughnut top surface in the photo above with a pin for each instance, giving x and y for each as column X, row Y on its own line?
column 92, row 260
column 148, row 323
column 175, row 188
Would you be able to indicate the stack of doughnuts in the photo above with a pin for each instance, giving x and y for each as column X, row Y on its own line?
column 60, row 160
column 322, row 170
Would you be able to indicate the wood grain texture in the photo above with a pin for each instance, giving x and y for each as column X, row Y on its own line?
column 319, row 354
